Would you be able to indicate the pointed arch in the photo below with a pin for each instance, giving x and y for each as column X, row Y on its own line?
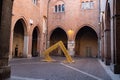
column 35, row 50
column 88, row 25
column 55, row 29
column 86, row 42
column 24, row 22
column 19, row 32
column 58, row 34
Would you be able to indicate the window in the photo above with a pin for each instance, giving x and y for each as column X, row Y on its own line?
column 55, row 8
column 35, row 1
column 87, row 5
column 91, row 4
column 82, row 5
column 59, row 7
column 63, row 9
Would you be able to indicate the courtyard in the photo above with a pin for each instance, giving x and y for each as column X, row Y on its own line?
column 36, row 69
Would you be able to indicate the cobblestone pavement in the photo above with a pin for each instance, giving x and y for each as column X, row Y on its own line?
column 35, row 69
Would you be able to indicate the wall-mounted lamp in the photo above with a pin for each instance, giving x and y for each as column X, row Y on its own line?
column 70, row 32
column 31, row 22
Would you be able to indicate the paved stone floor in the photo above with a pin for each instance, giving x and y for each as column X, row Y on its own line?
column 35, row 69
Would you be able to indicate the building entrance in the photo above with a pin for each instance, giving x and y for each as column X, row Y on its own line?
column 86, row 43
column 18, row 39
column 35, row 42
column 58, row 35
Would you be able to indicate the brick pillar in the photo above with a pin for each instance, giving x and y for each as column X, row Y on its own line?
column 5, row 38
column 26, row 43
column 116, row 38
column 116, row 45
column 71, row 47
column 30, row 46
column 107, row 48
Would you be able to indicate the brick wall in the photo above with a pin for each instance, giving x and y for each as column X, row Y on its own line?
column 74, row 17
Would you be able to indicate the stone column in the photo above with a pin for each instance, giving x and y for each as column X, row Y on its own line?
column 117, row 45
column 30, row 46
column 115, row 51
column 48, row 44
column 71, row 47
column 26, row 41
column 5, row 27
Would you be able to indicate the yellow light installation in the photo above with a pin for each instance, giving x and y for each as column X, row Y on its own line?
column 61, row 45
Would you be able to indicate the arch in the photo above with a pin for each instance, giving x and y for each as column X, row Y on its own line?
column 24, row 21
column 59, row 6
column 35, row 41
column 92, row 27
column 54, row 29
column 54, row 38
column 18, row 38
column 86, row 42
column 38, row 29
column 59, row 2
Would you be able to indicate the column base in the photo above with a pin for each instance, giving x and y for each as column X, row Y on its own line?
column 107, row 61
column 29, row 56
column 71, row 53
column 71, row 46
column 115, row 68
column 5, row 72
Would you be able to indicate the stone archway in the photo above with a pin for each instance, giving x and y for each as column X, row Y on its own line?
column 35, row 41
column 18, row 39
column 86, row 43
column 57, row 35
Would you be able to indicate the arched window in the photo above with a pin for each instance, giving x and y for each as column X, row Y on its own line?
column 55, row 8
column 35, row 1
column 63, row 8
column 91, row 4
column 87, row 4
column 59, row 7
column 82, row 5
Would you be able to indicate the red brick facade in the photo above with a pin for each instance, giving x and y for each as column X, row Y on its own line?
column 31, row 17
column 33, row 25
column 88, row 28
column 45, row 20
column 74, row 17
